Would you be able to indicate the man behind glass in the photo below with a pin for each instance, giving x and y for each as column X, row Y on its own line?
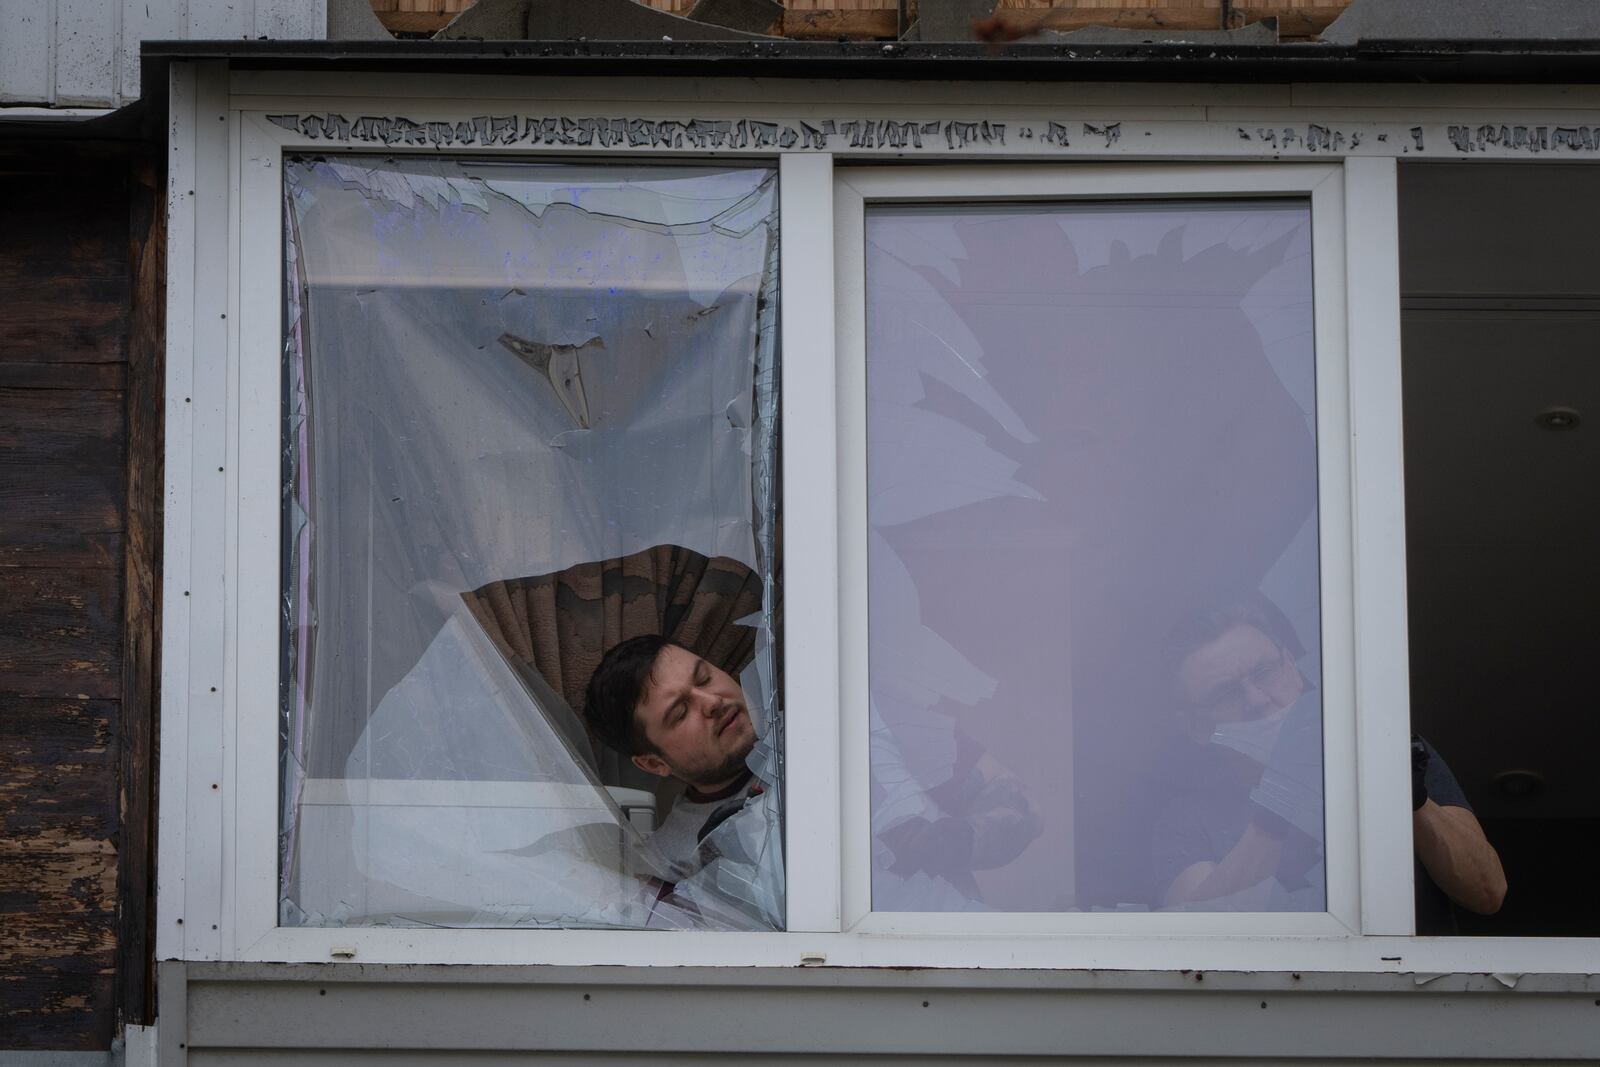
column 676, row 715
column 1241, row 694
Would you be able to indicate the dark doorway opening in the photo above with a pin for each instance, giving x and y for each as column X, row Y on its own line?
column 1500, row 297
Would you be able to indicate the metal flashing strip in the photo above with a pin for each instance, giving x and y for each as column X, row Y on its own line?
column 599, row 1014
column 1530, row 61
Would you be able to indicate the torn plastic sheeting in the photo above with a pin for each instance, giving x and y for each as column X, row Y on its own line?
column 392, row 241
column 460, row 434
column 669, row 197
column 612, row 391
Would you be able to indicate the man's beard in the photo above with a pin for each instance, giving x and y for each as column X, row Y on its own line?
column 726, row 771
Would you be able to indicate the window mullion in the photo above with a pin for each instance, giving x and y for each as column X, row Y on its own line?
column 1383, row 707
column 810, row 543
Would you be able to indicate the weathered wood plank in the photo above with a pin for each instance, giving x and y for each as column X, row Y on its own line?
column 67, row 942
column 64, row 464
column 58, row 864
column 60, row 633
column 20, row 375
column 61, row 415
column 142, row 595
column 831, row 25
column 1296, row 21
column 49, row 237
column 64, row 313
column 415, row 21
column 61, row 217
column 59, row 318
column 49, row 1010
column 62, row 546
column 39, row 801
column 52, row 731
column 1020, row 21
column 63, row 258
column 60, row 883
column 57, row 841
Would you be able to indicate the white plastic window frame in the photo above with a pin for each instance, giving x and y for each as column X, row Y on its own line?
column 1321, row 186
column 217, row 880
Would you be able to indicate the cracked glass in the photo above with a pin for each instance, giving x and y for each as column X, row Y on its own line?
column 530, row 414
column 1093, row 604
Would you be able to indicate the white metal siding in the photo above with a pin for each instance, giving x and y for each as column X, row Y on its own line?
column 85, row 53
column 353, row 1015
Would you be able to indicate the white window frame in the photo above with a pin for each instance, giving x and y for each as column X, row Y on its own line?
column 1321, row 187
column 217, row 882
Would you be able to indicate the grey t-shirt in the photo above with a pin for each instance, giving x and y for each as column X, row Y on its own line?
column 678, row 836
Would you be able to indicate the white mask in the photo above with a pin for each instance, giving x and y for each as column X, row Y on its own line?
column 1252, row 738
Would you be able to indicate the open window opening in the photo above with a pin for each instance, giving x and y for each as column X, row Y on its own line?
column 530, row 416
column 1500, row 288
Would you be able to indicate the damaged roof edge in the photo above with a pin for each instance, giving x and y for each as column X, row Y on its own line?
column 1453, row 61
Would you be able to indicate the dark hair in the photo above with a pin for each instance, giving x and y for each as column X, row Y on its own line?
column 1203, row 627
column 615, row 690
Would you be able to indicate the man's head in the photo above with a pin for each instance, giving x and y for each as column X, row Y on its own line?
column 672, row 712
column 1230, row 664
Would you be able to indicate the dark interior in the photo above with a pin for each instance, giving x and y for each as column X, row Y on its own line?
column 1500, row 298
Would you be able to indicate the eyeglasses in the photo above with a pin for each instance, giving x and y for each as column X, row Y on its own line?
column 1268, row 678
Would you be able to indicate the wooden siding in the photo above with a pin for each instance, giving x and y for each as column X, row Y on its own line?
column 74, row 749
column 85, row 53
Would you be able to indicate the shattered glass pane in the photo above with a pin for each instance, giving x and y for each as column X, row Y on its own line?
column 529, row 414
column 1093, row 600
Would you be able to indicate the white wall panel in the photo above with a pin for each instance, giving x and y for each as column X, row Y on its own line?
column 85, row 53
column 25, row 50
column 220, row 20
column 146, row 20
column 291, row 20
column 86, row 41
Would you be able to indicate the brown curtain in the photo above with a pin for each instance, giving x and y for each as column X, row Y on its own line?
column 560, row 624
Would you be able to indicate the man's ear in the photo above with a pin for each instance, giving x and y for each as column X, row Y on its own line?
column 651, row 763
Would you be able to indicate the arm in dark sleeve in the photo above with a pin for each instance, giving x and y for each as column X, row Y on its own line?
column 1451, row 844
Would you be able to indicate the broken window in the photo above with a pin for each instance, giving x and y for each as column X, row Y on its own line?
column 1092, row 509
column 530, row 413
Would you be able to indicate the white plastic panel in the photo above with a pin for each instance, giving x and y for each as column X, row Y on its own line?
column 86, row 42
column 85, row 53
column 25, row 51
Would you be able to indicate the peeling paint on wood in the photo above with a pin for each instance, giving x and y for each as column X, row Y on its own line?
column 64, row 269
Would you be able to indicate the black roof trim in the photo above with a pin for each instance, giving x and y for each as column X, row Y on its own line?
column 1498, row 61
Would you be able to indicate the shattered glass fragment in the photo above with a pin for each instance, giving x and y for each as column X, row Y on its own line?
column 1093, row 604
column 560, row 367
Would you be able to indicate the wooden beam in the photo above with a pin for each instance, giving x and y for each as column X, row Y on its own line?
column 141, row 593
column 1022, row 21
column 415, row 21
column 1292, row 21
column 831, row 25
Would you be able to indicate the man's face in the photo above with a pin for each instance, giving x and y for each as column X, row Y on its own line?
column 1240, row 676
column 695, row 717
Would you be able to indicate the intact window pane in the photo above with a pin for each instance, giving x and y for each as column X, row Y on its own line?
column 1093, row 601
column 530, row 417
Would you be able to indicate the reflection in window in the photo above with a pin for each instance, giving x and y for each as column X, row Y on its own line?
column 530, row 414
column 1093, row 603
